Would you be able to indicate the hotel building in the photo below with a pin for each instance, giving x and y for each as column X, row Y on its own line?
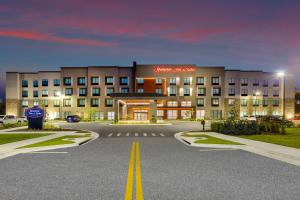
column 144, row 92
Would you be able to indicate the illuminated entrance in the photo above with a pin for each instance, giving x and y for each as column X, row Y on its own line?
column 136, row 106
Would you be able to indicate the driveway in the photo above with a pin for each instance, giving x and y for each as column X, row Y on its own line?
column 169, row 169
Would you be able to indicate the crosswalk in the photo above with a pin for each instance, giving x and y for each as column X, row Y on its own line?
column 135, row 134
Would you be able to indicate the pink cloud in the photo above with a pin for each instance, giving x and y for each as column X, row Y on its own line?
column 37, row 36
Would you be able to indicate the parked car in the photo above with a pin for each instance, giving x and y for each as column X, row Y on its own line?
column 8, row 119
column 22, row 119
column 73, row 118
column 249, row 118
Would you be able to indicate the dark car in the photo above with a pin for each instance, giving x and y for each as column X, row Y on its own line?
column 73, row 118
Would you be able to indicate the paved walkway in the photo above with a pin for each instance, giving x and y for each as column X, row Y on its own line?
column 278, row 152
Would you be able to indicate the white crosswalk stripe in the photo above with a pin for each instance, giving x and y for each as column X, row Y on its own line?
column 119, row 134
column 127, row 134
column 109, row 135
column 136, row 134
column 161, row 134
column 145, row 134
column 153, row 134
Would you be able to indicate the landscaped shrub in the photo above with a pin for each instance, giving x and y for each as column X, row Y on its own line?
column 236, row 127
column 216, row 126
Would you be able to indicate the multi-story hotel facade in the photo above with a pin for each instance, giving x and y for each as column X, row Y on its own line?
column 144, row 92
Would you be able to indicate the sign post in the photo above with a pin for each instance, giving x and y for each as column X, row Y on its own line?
column 35, row 117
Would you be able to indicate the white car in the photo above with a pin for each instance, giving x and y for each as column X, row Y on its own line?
column 249, row 118
column 8, row 119
column 22, row 119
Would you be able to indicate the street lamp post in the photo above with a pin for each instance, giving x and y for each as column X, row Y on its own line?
column 282, row 75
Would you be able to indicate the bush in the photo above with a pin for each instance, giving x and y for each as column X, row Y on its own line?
column 236, row 127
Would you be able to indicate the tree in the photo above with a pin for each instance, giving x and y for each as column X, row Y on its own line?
column 203, row 124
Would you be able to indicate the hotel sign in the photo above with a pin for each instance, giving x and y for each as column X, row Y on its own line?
column 174, row 69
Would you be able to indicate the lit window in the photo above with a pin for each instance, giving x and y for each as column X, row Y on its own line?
column 255, row 102
column 172, row 91
column 56, row 93
column 56, row 103
column 200, row 80
column 172, row 114
column 215, row 80
column 186, row 104
column 186, row 91
column 80, row 102
column 110, row 115
column 187, row 80
column 140, row 90
column 45, row 93
column 172, row 81
column 215, row 102
column 244, row 102
column 140, row 81
column 24, row 103
column 231, row 102
column 67, row 102
column 45, row 103
column 172, row 104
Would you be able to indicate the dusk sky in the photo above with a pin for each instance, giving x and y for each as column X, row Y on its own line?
column 240, row 34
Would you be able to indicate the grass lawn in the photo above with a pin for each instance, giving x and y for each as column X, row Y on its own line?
column 290, row 139
column 56, row 141
column 210, row 139
column 8, row 138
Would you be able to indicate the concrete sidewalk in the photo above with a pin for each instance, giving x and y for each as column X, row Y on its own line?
column 278, row 152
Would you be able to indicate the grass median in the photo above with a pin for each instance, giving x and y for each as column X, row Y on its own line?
column 206, row 139
column 290, row 139
column 67, row 139
column 9, row 138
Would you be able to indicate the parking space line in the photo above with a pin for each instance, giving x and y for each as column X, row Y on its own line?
column 145, row 134
column 153, row 134
column 136, row 134
column 161, row 134
column 119, row 134
column 109, row 135
column 127, row 134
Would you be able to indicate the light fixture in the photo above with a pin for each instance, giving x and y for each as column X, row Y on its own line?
column 281, row 74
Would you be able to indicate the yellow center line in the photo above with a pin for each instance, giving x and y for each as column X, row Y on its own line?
column 129, row 184
column 134, row 161
column 139, row 187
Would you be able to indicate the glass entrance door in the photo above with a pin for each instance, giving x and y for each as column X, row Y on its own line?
column 141, row 115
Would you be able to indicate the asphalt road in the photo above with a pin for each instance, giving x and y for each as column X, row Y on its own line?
column 170, row 170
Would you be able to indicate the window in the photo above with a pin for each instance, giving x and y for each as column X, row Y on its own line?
column 82, row 91
column 80, row 102
column 231, row 81
column 215, row 80
column 275, row 93
column 158, row 81
column 255, row 82
column 265, row 83
column 94, row 102
column 216, row 114
column 186, row 104
column 124, row 90
column 24, row 103
column 67, row 103
column 140, row 90
column 95, row 80
column 265, row 102
column 110, row 115
column 172, row 91
column 172, row 114
column 45, row 93
column 45, row 82
column 275, row 102
column 69, row 91
column 35, row 103
column 265, row 92
column 140, row 81
column 172, row 104
column 108, row 102
column 56, row 103
column 35, row 93
column 109, row 91
column 201, row 91
column 35, row 83
column 160, row 113
column 67, row 81
column 255, row 102
column 200, row 114
column 200, row 80
column 187, row 80
column 109, row 80
column 96, row 91
column 67, row 113
column 200, row 102
column 244, row 81
column 24, row 93
column 123, row 80
column 215, row 102
column 158, row 91
column 56, row 82
column 24, row 83
column 231, row 102
column 186, row 114
column 275, row 83
column 256, row 91
column 231, row 91
column 244, row 102
column 45, row 103
column 216, row 91
column 81, row 81
column 172, row 81
column 244, row 92
column 56, row 93
column 186, row 91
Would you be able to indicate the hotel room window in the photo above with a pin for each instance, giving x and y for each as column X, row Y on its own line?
column 56, row 93
column 45, row 93
column 201, row 91
column 45, row 82
column 123, row 80
column 186, row 92
column 244, row 81
column 95, row 80
column 124, row 90
column 69, row 91
column 216, row 91
column 35, row 83
column 81, row 81
column 35, row 93
column 67, row 81
column 186, row 104
column 56, row 82
column 275, row 83
column 215, row 102
column 56, row 103
column 275, row 93
column 67, row 103
column 231, row 81
column 96, row 91
column 172, row 104
column 172, row 91
column 265, row 102
column 109, row 80
column 244, row 92
column 215, row 80
column 94, row 102
column 24, row 83
column 24, row 103
column 82, row 91
column 231, row 102
column 231, row 91
column 200, row 102
column 244, row 102
column 158, row 91
column 265, row 83
column 80, row 102
column 255, row 82
column 255, row 102
column 109, row 102
column 140, row 90
column 265, row 92
column 45, row 103
column 140, row 81
column 275, row 102
column 172, row 81
column 158, row 81
column 187, row 80
column 200, row 80
column 109, row 91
